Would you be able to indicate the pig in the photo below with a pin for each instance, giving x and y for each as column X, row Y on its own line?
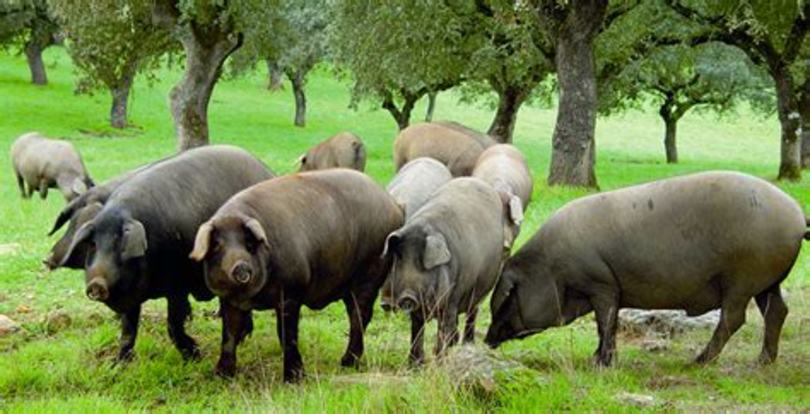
column 344, row 150
column 504, row 168
column 44, row 163
column 452, row 144
column 446, row 259
column 411, row 188
column 140, row 239
column 697, row 243
column 309, row 239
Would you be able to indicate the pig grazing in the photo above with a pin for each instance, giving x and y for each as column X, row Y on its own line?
column 446, row 259
column 44, row 163
column 504, row 168
column 697, row 243
column 140, row 239
column 344, row 150
column 452, row 144
column 305, row 239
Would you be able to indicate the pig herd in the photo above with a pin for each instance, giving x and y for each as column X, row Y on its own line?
column 216, row 222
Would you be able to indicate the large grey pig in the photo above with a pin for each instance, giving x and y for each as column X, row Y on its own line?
column 452, row 144
column 344, row 150
column 305, row 239
column 446, row 258
column 141, row 237
column 411, row 188
column 77, row 212
column 44, row 163
column 697, row 243
column 505, row 169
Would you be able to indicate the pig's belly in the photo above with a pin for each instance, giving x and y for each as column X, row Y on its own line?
column 695, row 295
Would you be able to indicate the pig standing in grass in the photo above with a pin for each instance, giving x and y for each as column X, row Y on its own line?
column 447, row 257
column 44, row 163
column 698, row 242
column 450, row 143
column 344, row 150
column 306, row 239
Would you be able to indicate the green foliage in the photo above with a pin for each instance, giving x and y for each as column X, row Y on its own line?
column 21, row 20
column 111, row 40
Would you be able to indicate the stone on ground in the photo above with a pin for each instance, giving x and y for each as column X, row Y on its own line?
column 7, row 325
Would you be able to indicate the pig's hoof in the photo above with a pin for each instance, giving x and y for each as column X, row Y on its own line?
column 293, row 376
column 225, row 369
column 349, row 360
column 703, row 359
column 124, row 357
column 191, row 354
column 766, row 358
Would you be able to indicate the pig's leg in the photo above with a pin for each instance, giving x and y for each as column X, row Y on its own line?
column 360, row 307
column 417, row 353
column 469, row 326
column 31, row 189
column 606, row 307
column 129, row 331
column 448, row 329
column 774, row 311
column 179, row 311
column 20, row 183
column 235, row 324
column 732, row 316
column 43, row 189
column 287, row 315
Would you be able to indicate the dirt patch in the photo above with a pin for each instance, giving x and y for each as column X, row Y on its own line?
column 9, row 248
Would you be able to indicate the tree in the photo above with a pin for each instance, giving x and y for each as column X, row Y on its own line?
column 679, row 78
column 396, row 53
column 210, row 31
column 28, row 23
column 772, row 34
column 110, row 42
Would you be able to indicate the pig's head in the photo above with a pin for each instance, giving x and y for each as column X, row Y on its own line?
column 235, row 252
column 308, row 161
column 74, row 186
column 521, row 307
column 114, row 245
column 76, row 214
column 420, row 274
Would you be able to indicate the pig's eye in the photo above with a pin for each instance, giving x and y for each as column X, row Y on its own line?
column 251, row 245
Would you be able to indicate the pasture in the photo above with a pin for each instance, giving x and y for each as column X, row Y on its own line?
column 54, row 365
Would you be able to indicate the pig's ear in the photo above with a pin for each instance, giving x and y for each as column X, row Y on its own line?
column 134, row 240
column 515, row 210
column 436, row 251
column 82, row 235
column 257, row 230
column 502, row 291
column 79, row 187
column 391, row 243
column 201, row 242
column 301, row 160
column 65, row 215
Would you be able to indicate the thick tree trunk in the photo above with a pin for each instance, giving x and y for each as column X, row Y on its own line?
column 573, row 147
column 804, row 112
column 401, row 116
column 298, row 81
column 790, row 121
column 503, row 125
column 274, row 76
column 205, row 54
column 33, row 53
column 431, row 106
column 670, row 145
column 120, row 96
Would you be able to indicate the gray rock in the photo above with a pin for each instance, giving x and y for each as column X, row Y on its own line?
column 56, row 321
column 638, row 400
column 666, row 322
column 8, row 326
column 480, row 369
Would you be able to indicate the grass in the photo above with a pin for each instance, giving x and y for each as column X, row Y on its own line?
column 53, row 368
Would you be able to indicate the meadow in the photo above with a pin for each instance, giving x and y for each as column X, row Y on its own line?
column 54, row 365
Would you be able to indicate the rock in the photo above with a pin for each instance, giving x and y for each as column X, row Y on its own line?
column 7, row 325
column 655, row 344
column 638, row 400
column 56, row 321
column 480, row 369
column 667, row 322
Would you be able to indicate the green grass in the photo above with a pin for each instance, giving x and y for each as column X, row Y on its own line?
column 45, row 369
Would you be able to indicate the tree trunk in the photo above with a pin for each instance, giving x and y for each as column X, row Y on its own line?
column 573, row 147
column 33, row 53
column 274, row 74
column 790, row 121
column 431, row 106
column 503, row 125
column 298, row 82
column 670, row 144
column 804, row 111
column 205, row 54
column 120, row 96
column 401, row 116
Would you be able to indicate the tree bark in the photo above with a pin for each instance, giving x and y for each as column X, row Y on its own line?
column 804, row 112
column 206, row 51
column 33, row 54
column 401, row 116
column 509, row 103
column 790, row 121
column 573, row 147
column 298, row 81
column 670, row 145
column 120, row 96
column 274, row 76
column 431, row 106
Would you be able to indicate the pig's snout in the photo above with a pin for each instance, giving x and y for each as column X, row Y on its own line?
column 241, row 272
column 97, row 290
column 407, row 302
column 50, row 262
